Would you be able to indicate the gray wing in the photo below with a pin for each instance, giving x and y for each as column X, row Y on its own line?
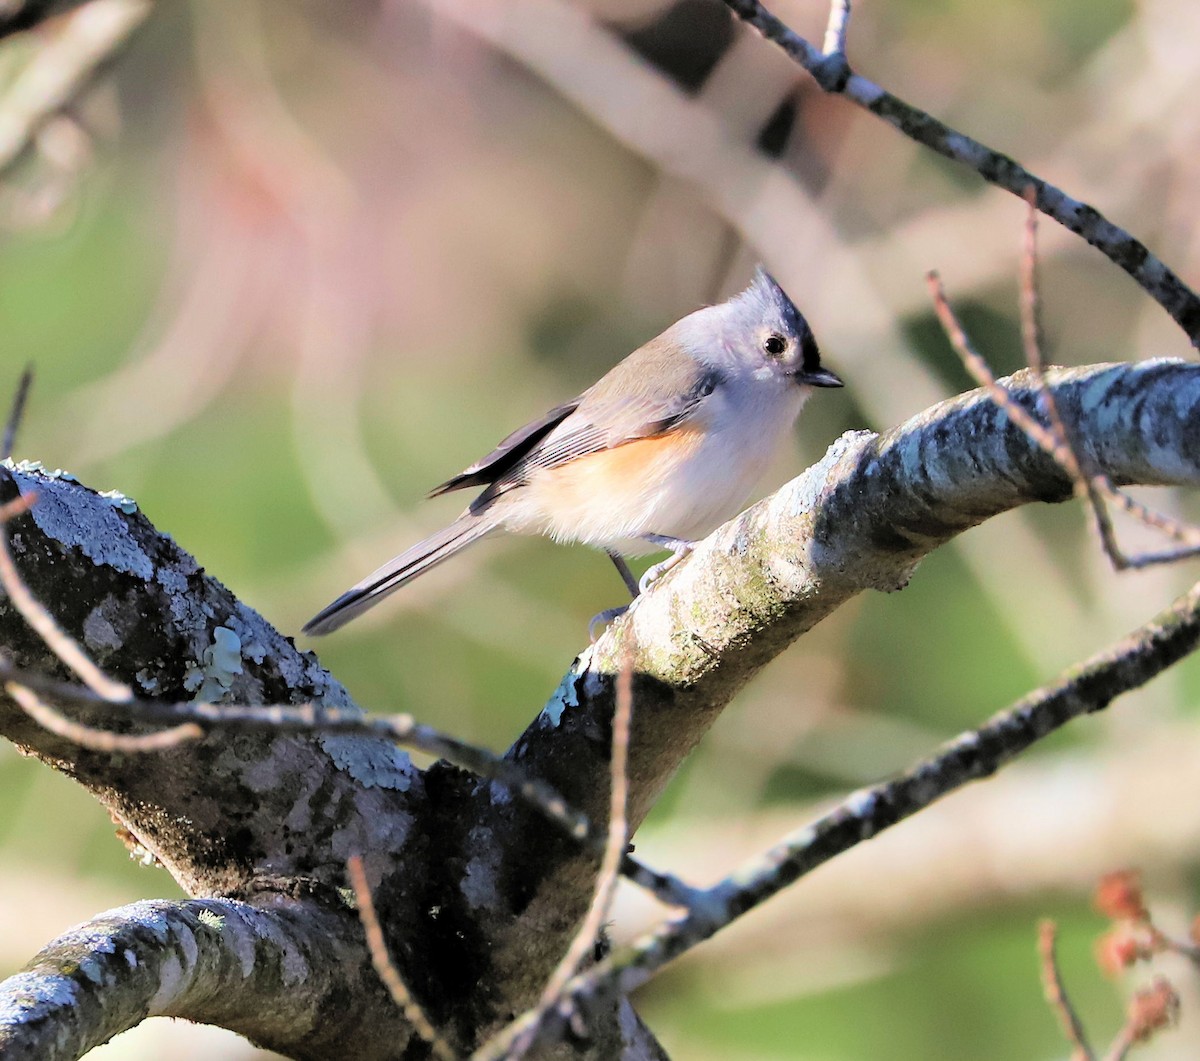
column 653, row 390
column 508, row 453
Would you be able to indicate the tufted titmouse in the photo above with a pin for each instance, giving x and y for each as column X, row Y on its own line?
column 659, row 452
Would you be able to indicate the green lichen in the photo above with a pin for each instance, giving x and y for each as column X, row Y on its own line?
column 211, row 918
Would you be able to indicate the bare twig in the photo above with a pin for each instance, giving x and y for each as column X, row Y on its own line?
column 386, row 968
column 834, row 75
column 839, row 25
column 1031, row 322
column 98, row 740
column 399, row 729
column 1054, row 440
column 17, row 16
column 15, row 413
column 63, row 67
column 18, row 506
column 1056, row 994
column 515, row 1040
column 980, row 370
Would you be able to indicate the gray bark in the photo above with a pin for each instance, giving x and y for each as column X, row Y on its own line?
column 478, row 892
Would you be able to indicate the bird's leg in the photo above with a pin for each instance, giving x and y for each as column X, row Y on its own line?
column 609, row 614
column 618, row 560
column 679, row 549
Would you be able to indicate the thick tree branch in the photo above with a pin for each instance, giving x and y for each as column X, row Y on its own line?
column 509, row 888
column 314, row 992
column 1092, row 686
column 862, row 518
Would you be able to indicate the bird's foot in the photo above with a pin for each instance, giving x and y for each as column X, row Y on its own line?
column 679, row 550
column 603, row 619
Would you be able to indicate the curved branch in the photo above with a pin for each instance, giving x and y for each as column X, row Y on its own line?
column 313, row 993
column 862, row 518
column 977, row 753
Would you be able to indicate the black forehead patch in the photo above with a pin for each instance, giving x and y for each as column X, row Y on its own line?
column 808, row 350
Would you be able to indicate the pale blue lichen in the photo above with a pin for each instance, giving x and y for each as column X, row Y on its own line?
column 171, row 580
column 37, row 468
column 478, row 884
column 119, row 500
column 241, row 624
column 78, row 518
column 98, row 631
column 565, row 696
column 372, row 763
column 220, row 663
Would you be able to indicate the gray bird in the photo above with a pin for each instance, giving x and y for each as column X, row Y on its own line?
column 664, row 448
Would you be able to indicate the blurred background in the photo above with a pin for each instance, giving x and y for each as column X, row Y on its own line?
column 284, row 265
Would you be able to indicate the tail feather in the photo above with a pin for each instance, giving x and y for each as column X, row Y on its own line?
column 415, row 561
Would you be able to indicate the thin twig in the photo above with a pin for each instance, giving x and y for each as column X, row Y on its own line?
column 1094, row 488
column 398, row 729
column 1154, row 277
column 1121, row 1045
column 1031, row 315
column 515, row 1040
column 1053, row 440
column 1172, row 945
column 980, row 370
column 18, row 506
column 1056, row 994
column 837, row 28
column 15, row 413
column 386, row 968
column 98, row 740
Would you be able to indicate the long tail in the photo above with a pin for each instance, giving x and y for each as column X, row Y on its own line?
column 415, row 561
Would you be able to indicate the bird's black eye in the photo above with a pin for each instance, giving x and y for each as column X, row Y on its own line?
column 775, row 345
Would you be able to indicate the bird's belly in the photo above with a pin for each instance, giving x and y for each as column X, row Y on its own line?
column 681, row 485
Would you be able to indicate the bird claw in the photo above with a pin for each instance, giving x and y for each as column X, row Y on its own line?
column 603, row 619
column 679, row 551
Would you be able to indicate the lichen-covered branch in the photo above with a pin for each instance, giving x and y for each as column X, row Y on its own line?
column 1086, row 688
column 292, row 978
column 478, row 893
column 861, row 518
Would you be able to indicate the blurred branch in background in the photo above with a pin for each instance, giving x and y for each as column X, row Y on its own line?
column 67, row 53
column 338, row 300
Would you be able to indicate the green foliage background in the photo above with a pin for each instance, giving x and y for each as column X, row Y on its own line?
column 322, row 256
